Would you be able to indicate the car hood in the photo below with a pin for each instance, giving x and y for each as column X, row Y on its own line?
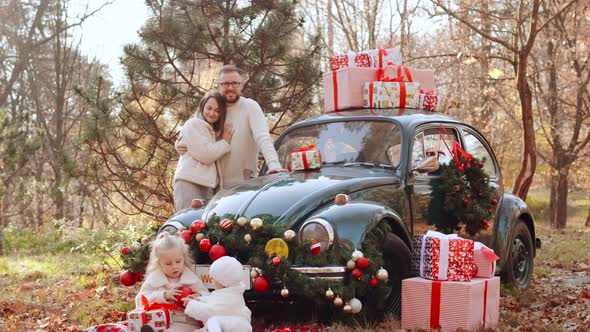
column 285, row 198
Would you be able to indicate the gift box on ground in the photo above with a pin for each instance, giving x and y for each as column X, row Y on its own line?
column 304, row 159
column 156, row 315
column 484, row 259
column 343, row 88
column 450, row 305
column 351, row 59
column 428, row 100
column 439, row 256
column 391, row 94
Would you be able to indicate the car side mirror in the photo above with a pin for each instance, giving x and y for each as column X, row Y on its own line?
column 428, row 165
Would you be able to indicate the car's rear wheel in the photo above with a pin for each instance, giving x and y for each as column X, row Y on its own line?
column 518, row 270
column 396, row 256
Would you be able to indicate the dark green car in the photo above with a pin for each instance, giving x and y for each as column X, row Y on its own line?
column 385, row 161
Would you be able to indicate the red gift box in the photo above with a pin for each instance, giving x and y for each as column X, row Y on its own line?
column 444, row 257
column 448, row 305
column 428, row 100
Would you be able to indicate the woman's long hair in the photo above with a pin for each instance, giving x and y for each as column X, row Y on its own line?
column 217, row 126
column 164, row 242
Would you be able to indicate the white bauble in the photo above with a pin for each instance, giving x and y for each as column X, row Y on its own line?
column 356, row 255
column 355, row 305
column 242, row 221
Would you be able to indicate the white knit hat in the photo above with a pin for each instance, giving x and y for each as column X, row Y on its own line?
column 227, row 271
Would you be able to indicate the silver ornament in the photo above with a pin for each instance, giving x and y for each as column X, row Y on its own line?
column 284, row 292
column 347, row 309
column 248, row 238
column 256, row 223
column 382, row 274
column 289, row 235
column 351, row 265
column 355, row 305
column 338, row 301
column 254, row 273
column 356, row 255
column 329, row 294
column 199, row 237
column 242, row 221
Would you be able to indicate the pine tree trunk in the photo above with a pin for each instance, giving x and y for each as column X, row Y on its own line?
column 559, row 185
column 588, row 219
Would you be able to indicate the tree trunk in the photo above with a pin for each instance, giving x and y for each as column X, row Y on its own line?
column 588, row 219
column 559, row 185
column 529, row 159
column 330, row 28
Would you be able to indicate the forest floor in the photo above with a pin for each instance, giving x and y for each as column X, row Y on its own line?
column 69, row 292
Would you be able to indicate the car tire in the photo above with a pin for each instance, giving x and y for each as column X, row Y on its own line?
column 396, row 257
column 518, row 270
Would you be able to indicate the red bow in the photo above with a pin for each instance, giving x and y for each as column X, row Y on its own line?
column 165, row 306
column 429, row 93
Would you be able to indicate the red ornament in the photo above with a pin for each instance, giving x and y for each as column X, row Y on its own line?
column 468, row 165
column 186, row 236
column 138, row 276
column 481, row 165
column 205, row 245
column 494, row 201
column 276, row 261
column 124, row 251
column 479, row 194
column 226, row 225
column 461, row 168
column 468, row 195
column 362, row 262
column 356, row 273
column 490, row 211
column 315, row 247
column 261, row 284
column 465, row 201
column 185, row 291
column 485, row 224
column 127, row 278
column 374, row 282
column 217, row 251
column 197, row 225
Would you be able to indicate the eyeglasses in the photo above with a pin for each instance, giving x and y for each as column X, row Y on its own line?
column 226, row 85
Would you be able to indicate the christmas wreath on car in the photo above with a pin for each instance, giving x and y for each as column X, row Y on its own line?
column 271, row 250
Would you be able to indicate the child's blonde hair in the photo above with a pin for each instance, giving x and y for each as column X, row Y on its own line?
column 163, row 242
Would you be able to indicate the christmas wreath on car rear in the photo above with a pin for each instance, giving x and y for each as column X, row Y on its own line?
column 271, row 250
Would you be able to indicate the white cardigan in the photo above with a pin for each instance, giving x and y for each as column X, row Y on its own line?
column 227, row 304
column 198, row 165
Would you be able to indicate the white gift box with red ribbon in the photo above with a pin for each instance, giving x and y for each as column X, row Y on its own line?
column 156, row 315
column 305, row 158
column 391, row 94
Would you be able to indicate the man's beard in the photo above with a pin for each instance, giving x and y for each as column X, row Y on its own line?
column 235, row 100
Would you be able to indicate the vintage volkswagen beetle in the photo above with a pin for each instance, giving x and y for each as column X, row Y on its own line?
column 383, row 160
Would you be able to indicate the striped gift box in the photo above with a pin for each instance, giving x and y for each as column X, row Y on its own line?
column 450, row 305
column 484, row 259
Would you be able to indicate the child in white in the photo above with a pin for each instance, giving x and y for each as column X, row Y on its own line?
column 169, row 267
column 197, row 172
column 225, row 309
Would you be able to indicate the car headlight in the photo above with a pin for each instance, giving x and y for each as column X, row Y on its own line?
column 319, row 230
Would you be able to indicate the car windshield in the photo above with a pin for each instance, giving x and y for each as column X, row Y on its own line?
column 370, row 143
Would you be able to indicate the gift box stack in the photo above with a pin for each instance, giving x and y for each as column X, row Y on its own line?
column 455, row 287
column 377, row 79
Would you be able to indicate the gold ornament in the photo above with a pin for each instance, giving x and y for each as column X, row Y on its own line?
column 242, row 221
column 289, row 235
column 248, row 238
column 199, row 237
column 355, row 305
column 256, row 223
column 329, row 294
column 356, row 255
column 347, row 309
column 284, row 292
column 277, row 246
column 382, row 274
column 351, row 265
column 338, row 301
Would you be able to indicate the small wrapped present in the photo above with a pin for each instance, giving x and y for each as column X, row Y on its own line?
column 156, row 315
column 448, row 306
column 304, row 159
column 391, row 94
column 381, row 57
column 350, row 59
column 439, row 256
column 343, row 88
column 428, row 100
column 400, row 73
column 484, row 259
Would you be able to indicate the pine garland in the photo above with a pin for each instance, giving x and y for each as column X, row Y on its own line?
column 461, row 198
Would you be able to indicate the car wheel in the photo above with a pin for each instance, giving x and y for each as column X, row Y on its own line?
column 396, row 256
column 519, row 267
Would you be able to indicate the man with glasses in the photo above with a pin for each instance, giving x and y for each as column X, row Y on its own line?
column 251, row 134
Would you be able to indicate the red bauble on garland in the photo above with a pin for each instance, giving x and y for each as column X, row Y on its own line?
column 138, row 276
column 261, row 284
column 186, row 236
column 362, row 262
column 494, row 201
column 124, row 251
column 205, row 245
column 356, row 273
column 374, row 282
column 127, row 278
column 197, row 225
column 217, row 251
column 226, row 225
column 276, row 260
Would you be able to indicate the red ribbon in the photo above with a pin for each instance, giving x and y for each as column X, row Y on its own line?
column 435, row 305
column 400, row 77
column 485, row 303
column 457, row 149
column 382, row 53
column 335, row 84
column 371, row 95
column 167, row 307
column 429, row 93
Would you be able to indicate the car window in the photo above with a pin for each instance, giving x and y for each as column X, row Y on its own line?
column 478, row 149
column 429, row 145
column 375, row 142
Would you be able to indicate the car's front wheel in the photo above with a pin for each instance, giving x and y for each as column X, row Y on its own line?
column 518, row 270
column 396, row 256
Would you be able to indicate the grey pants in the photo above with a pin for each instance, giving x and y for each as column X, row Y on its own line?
column 185, row 192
